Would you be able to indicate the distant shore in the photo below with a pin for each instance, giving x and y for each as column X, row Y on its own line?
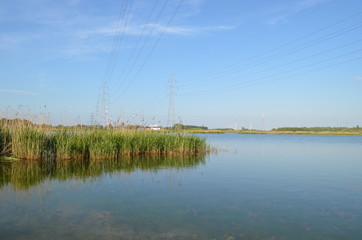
column 216, row 131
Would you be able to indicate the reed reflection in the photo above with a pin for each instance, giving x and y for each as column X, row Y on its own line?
column 21, row 175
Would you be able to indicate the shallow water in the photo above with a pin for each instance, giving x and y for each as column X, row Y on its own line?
column 255, row 187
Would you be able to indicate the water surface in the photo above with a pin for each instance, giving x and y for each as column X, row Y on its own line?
column 255, row 187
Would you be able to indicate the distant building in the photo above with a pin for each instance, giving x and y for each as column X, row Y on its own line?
column 154, row 127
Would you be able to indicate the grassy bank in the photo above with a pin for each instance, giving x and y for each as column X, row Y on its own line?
column 24, row 141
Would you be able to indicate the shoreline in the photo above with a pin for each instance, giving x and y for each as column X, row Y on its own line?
column 211, row 131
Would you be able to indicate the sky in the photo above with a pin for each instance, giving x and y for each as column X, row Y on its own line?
column 257, row 64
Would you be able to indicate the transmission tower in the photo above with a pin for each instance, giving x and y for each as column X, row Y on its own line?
column 97, row 116
column 171, row 106
column 142, row 116
column 92, row 119
column 104, row 106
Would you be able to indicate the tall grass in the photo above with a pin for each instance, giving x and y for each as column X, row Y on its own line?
column 27, row 141
column 100, row 144
column 4, row 142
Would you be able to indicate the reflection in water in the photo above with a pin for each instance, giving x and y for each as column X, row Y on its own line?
column 24, row 174
column 271, row 187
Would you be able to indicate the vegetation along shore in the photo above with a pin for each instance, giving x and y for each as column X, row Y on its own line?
column 284, row 130
column 20, row 139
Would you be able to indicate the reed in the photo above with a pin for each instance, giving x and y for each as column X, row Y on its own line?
column 4, row 142
column 26, row 141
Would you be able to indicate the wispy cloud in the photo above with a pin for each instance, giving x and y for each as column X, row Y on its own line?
column 179, row 30
column 73, row 32
column 9, row 40
column 309, row 3
column 86, row 44
column 191, row 8
column 154, row 29
column 18, row 91
column 12, row 40
column 359, row 78
column 281, row 14
column 69, row 31
column 277, row 13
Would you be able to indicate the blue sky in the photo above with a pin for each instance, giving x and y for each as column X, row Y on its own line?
column 297, row 62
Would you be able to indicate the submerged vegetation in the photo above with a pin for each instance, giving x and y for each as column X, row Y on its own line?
column 24, row 140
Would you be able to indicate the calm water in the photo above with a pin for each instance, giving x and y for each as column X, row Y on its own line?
column 256, row 187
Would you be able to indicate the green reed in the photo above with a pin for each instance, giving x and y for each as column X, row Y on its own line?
column 21, row 140
column 26, row 141
column 99, row 144
column 5, row 141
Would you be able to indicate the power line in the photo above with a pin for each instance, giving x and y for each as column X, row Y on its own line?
column 232, row 47
column 138, row 42
column 118, row 39
column 152, row 50
column 102, row 107
column 155, row 104
column 232, row 68
column 296, row 49
column 267, row 80
column 201, row 84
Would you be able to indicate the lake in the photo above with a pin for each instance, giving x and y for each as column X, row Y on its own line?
column 255, row 187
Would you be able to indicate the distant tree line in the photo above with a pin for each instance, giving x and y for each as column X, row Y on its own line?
column 179, row 126
column 318, row 129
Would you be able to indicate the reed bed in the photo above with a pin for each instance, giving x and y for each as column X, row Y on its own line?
column 26, row 141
